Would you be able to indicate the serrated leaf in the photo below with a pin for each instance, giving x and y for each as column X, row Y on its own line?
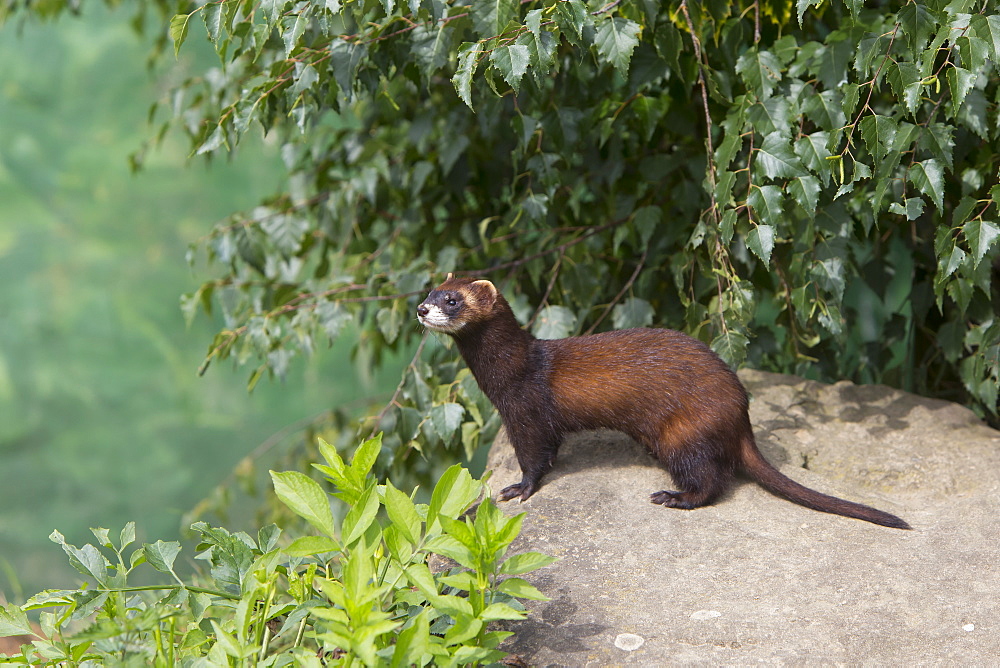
column 960, row 82
column 731, row 347
column 814, row 153
column 826, row 109
column 829, row 275
column 879, row 132
column 468, row 60
column 760, row 240
column 571, row 17
column 162, row 554
column 948, row 264
column 512, row 62
column 918, row 24
column 305, row 498
column 938, row 138
column 980, row 235
column 446, row 419
column 616, row 39
column 987, row 28
column 490, row 17
column 767, row 202
column 430, row 46
column 928, row 177
column 806, row 190
column 802, row 5
column 212, row 15
column 179, row 31
column 760, row 71
column 776, row 158
column 554, row 322
column 633, row 312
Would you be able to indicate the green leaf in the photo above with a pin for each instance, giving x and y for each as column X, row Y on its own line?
column 918, row 24
column 468, row 60
column 760, row 71
column 760, row 240
column 212, row 15
column 949, row 263
column 806, row 190
column 987, row 28
column 879, row 132
column 525, row 563
column 365, row 457
column 14, row 622
column 512, row 62
column 960, row 82
column 161, row 555
column 980, row 235
column 447, row 418
column 497, row 611
column 938, row 138
column 555, row 322
column 616, row 38
column 776, row 158
column 814, row 153
column 521, row 589
column 305, row 498
column 307, row 546
column 179, row 31
column 826, row 109
column 402, row 513
column 633, row 312
column 731, row 346
column 360, row 516
column 829, row 275
column 572, row 17
column 454, row 492
column 928, row 176
column 767, row 203
column 490, row 17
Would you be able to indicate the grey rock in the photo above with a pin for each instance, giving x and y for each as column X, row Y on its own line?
column 755, row 578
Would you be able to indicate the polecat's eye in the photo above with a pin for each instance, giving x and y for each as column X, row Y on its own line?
column 450, row 302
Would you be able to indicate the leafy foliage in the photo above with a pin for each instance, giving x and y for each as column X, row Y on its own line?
column 807, row 186
column 358, row 592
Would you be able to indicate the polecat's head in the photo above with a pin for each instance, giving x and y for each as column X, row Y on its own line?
column 457, row 303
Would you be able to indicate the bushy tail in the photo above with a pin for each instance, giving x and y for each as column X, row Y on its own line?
column 776, row 482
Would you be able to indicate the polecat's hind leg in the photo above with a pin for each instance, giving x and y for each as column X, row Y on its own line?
column 523, row 489
column 698, row 474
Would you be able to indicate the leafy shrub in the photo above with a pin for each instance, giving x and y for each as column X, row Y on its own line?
column 357, row 592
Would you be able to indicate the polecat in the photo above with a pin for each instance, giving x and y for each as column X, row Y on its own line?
column 666, row 390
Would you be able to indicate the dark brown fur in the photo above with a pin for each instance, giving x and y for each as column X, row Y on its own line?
column 666, row 390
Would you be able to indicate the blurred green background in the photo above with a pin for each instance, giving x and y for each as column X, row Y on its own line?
column 102, row 416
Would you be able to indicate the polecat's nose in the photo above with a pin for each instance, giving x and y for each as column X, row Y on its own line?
column 422, row 310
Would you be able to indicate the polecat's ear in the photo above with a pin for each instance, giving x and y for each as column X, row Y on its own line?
column 487, row 289
column 449, row 276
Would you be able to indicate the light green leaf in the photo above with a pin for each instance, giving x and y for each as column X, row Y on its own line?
column 447, row 418
column 928, row 176
column 14, row 622
column 555, row 322
column 179, row 30
column 402, row 513
column 365, row 456
column 307, row 546
column 616, row 38
column 360, row 516
column 948, row 264
column 161, row 555
column 633, row 312
column 305, row 498
column 980, row 235
column 572, row 17
column 521, row 589
column 525, row 563
column 760, row 240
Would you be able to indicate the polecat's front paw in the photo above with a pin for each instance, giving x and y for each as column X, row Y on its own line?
column 523, row 489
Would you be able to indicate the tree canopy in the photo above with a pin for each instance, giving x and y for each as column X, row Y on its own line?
column 809, row 186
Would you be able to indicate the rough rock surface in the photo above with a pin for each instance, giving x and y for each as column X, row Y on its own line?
column 755, row 578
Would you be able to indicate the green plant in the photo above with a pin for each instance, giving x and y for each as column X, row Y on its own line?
column 357, row 592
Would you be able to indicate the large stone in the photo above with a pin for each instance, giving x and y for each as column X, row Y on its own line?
column 755, row 578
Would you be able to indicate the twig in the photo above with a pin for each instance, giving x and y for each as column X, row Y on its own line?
column 621, row 293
